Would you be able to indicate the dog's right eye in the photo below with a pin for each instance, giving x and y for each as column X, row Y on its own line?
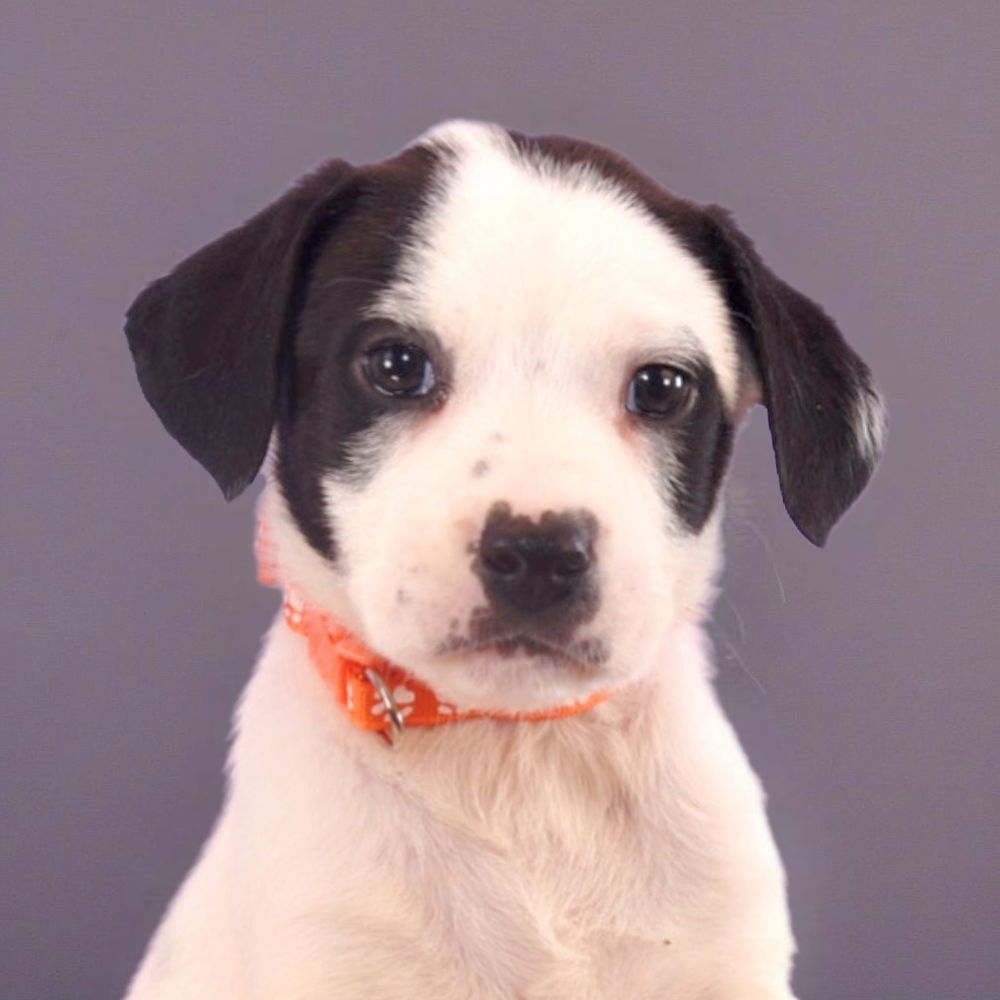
column 399, row 369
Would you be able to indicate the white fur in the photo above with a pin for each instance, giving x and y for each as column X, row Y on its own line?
column 870, row 423
column 623, row 852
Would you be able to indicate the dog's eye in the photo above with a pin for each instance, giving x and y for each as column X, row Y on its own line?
column 399, row 369
column 660, row 391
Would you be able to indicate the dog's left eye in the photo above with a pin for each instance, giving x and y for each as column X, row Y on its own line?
column 399, row 369
column 660, row 392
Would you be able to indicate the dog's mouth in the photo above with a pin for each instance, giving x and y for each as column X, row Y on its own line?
column 588, row 653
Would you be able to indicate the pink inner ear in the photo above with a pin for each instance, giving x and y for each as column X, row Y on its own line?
column 749, row 393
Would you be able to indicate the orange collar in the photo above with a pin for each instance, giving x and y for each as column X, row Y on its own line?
column 376, row 694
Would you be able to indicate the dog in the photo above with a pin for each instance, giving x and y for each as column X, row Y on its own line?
column 494, row 382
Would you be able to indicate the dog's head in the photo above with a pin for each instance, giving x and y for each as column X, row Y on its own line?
column 501, row 376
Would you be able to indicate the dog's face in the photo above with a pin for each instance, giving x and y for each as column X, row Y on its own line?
column 502, row 377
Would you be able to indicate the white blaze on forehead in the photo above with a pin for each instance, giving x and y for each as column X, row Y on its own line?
column 528, row 254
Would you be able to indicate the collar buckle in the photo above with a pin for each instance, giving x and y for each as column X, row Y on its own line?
column 393, row 734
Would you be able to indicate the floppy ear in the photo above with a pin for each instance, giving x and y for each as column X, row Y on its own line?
column 208, row 338
column 826, row 415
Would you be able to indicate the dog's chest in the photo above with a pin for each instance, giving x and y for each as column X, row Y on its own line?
column 598, row 912
column 578, row 898
column 565, row 899
column 536, row 868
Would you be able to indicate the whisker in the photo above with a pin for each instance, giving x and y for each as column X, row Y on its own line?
column 735, row 655
column 739, row 619
column 769, row 551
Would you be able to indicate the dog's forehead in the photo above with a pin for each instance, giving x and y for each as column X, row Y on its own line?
column 518, row 248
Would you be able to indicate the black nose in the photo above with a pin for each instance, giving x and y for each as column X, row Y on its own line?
column 528, row 567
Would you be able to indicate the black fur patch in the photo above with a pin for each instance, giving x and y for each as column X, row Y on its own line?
column 700, row 443
column 259, row 329
column 326, row 405
column 813, row 382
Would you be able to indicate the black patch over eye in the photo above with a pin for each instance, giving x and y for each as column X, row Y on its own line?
column 399, row 369
column 660, row 392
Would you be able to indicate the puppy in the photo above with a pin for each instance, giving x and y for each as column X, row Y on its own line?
column 496, row 380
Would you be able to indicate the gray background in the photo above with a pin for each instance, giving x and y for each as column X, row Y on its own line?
column 857, row 143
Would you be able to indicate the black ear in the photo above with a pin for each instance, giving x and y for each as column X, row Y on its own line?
column 826, row 414
column 208, row 338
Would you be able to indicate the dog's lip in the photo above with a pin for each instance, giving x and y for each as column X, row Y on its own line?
column 510, row 644
column 459, row 644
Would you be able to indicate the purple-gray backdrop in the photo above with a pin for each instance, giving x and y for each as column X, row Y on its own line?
column 858, row 144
